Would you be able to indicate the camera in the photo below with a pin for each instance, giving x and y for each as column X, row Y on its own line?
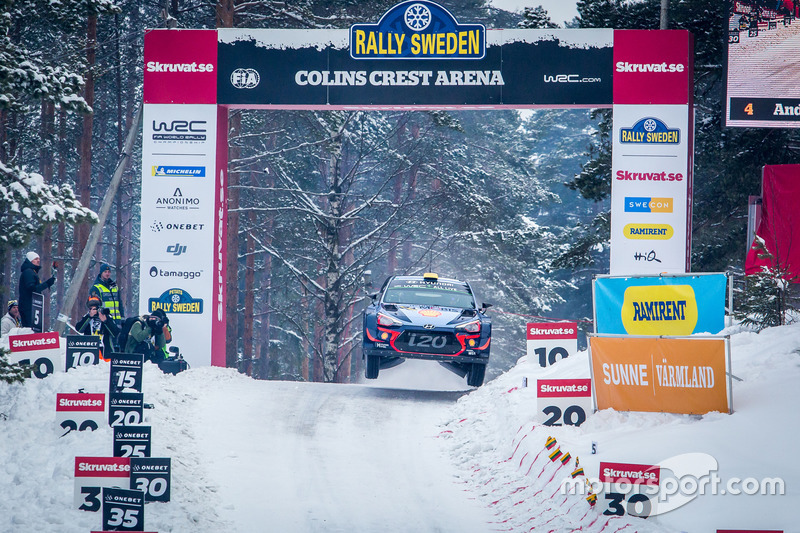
column 105, row 311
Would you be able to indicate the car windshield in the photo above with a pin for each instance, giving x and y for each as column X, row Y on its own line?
column 443, row 294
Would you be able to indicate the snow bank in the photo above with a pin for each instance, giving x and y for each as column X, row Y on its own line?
column 497, row 438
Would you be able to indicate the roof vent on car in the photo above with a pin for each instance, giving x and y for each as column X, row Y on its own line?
column 430, row 276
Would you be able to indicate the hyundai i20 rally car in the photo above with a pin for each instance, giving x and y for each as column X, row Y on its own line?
column 427, row 317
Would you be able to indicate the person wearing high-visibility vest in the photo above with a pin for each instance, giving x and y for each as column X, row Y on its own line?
column 106, row 289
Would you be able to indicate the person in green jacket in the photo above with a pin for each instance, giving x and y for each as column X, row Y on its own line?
column 147, row 336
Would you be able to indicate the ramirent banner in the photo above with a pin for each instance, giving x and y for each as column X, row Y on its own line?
column 668, row 375
column 662, row 305
column 651, row 185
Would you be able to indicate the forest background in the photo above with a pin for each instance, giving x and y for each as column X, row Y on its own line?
column 323, row 206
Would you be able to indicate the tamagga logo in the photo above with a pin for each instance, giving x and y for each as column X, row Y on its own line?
column 245, row 78
column 633, row 175
column 178, row 201
column 157, row 66
column 417, row 30
column 176, row 301
column 168, row 171
column 569, row 78
column 158, row 226
column 156, row 272
column 650, row 131
column 186, row 131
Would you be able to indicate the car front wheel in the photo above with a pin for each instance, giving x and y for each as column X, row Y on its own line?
column 476, row 373
column 373, row 367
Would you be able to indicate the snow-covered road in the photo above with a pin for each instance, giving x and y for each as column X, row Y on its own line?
column 325, row 457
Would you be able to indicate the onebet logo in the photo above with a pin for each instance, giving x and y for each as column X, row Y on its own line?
column 624, row 66
column 156, row 66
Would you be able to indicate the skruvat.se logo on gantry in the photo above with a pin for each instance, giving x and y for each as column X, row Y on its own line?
column 176, row 301
column 650, row 131
column 417, row 30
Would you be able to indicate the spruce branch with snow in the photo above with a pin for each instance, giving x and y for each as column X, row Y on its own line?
column 28, row 205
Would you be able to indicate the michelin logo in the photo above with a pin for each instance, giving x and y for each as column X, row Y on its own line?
column 178, row 172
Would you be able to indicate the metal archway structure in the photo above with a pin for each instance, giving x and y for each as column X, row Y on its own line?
column 417, row 56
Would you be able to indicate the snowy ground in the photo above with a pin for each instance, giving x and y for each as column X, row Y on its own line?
column 414, row 451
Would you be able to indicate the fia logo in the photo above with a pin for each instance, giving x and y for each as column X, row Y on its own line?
column 245, row 78
column 176, row 249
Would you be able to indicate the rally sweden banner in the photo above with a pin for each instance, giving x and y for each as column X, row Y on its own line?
column 664, row 305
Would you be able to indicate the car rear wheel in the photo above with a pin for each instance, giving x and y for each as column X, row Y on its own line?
column 373, row 367
column 476, row 373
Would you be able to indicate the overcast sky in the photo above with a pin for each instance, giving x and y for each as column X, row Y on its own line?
column 559, row 10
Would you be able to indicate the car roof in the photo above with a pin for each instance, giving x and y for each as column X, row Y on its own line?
column 418, row 278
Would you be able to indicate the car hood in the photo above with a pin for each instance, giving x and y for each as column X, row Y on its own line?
column 420, row 315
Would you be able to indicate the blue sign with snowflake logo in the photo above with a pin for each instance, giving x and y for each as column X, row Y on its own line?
column 176, row 301
column 650, row 130
column 417, row 29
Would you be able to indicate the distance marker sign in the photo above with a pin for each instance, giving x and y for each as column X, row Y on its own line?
column 40, row 350
column 564, row 401
column 83, row 350
column 132, row 441
column 94, row 473
column 79, row 412
column 549, row 342
column 126, row 372
column 152, row 475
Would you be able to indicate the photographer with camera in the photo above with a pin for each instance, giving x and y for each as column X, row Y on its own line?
column 98, row 321
column 149, row 335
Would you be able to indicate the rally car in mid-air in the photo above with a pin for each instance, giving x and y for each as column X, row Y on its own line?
column 427, row 317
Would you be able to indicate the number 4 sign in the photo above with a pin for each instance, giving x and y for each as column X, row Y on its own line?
column 550, row 342
column 564, row 401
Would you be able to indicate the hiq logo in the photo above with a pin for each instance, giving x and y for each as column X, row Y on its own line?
column 417, row 30
column 178, row 172
column 648, row 205
column 650, row 131
column 176, row 249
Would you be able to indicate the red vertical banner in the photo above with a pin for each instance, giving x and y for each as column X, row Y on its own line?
column 218, row 319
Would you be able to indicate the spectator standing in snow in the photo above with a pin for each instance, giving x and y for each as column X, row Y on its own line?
column 29, row 283
column 106, row 289
column 98, row 321
column 10, row 319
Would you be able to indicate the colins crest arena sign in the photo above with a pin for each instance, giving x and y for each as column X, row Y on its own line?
column 417, row 30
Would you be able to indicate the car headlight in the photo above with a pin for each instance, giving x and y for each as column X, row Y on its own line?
column 386, row 320
column 470, row 327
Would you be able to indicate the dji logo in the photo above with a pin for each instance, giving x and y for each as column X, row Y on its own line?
column 176, row 249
